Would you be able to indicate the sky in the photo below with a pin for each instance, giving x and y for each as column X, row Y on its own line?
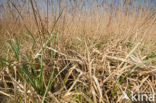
column 152, row 2
column 140, row 1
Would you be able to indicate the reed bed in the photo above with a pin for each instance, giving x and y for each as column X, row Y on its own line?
column 76, row 51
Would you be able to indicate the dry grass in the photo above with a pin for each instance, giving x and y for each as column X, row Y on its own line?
column 76, row 52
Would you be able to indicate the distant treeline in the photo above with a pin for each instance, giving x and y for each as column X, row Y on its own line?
column 74, row 5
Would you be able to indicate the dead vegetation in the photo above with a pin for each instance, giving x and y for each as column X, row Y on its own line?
column 76, row 51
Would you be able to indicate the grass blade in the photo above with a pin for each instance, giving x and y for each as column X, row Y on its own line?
column 51, row 80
